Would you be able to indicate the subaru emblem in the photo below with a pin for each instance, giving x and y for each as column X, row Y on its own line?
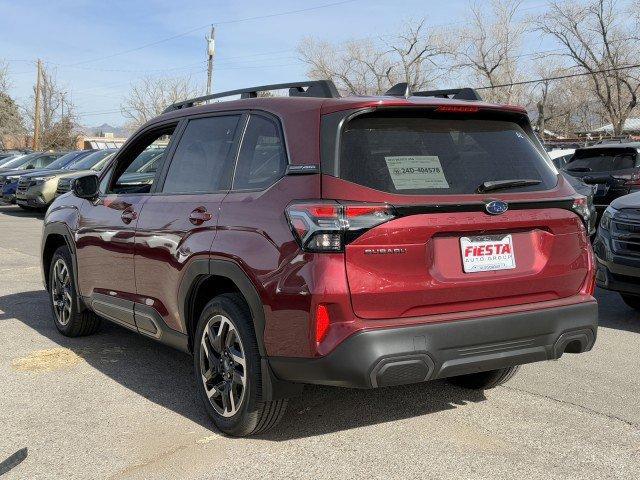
column 496, row 207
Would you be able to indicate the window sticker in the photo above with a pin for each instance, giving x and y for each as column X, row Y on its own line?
column 416, row 172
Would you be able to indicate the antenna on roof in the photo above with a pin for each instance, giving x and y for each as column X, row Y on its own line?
column 399, row 90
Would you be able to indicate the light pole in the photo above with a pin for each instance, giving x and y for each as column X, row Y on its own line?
column 211, row 51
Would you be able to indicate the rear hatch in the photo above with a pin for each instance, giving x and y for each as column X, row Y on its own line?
column 445, row 247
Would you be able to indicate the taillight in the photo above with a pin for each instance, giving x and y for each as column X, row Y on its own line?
column 581, row 207
column 327, row 226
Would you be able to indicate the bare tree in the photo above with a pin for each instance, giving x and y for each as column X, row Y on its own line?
column 150, row 96
column 599, row 40
column 11, row 122
column 489, row 46
column 367, row 66
column 57, row 114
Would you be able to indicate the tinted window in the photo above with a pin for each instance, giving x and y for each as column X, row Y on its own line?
column 601, row 160
column 20, row 161
column 435, row 156
column 88, row 162
column 45, row 160
column 65, row 160
column 201, row 162
column 262, row 157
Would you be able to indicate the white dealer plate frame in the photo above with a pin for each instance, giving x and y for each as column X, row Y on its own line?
column 487, row 253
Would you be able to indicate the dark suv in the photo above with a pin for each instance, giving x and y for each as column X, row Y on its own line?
column 612, row 168
column 356, row 242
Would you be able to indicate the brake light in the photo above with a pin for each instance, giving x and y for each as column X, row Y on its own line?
column 327, row 226
column 457, row 109
column 634, row 181
column 322, row 322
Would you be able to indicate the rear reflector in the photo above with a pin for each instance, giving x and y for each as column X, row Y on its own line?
column 322, row 322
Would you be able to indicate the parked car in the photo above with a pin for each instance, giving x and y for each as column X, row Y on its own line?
column 357, row 242
column 10, row 158
column 37, row 189
column 617, row 249
column 613, row 168
column 90, row 164
column 4, row 154
column 9, row 175
column 139, row 177
column 24, row 161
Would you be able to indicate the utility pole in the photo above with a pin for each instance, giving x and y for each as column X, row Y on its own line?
column 36, row 114
column 211, row 51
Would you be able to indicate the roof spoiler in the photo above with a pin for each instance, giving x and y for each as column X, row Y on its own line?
column 402, row 90
column 311, row 88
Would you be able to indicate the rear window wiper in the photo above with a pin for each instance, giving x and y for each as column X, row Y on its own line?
column 579, row 169
column 490, row 186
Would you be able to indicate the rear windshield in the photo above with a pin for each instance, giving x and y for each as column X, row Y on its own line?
column 601, row 160
column 435, row 156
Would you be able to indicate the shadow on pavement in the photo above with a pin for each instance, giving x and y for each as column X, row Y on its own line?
column 15, row 211
column 165, row 377
column 614, row 313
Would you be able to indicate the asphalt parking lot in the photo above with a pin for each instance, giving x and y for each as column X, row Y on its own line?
column 116, row 405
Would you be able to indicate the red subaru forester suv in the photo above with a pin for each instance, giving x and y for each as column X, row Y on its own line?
column 357, row 242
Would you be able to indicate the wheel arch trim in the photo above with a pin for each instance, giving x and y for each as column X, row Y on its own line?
column 61, row 229
column 202, row 268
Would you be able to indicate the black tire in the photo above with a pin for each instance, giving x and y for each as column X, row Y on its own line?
column 632, row 301
column 71, row 323
column 485, row 380
column 253, row 416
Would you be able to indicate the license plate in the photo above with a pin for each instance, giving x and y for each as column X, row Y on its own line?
column 485, row 253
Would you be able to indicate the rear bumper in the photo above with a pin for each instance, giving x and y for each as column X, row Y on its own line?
column 383, row 357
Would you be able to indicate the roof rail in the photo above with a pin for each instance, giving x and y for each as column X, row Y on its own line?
column 402, row 90
column 311, row 88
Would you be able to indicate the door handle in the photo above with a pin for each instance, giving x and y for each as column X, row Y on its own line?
column 128, row 216
column 200, row 215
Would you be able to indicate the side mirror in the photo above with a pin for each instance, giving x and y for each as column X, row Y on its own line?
column 30, row 167
column 87, row 186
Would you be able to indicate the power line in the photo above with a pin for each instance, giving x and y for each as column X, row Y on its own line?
column 559, row 77
column 225, row 22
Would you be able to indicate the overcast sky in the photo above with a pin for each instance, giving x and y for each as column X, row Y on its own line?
column 96, row 47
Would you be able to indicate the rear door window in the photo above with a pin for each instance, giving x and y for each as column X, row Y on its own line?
column 262, row 158
column 436, row 156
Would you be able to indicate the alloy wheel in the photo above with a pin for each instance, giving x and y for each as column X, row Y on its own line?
column 223, row 366
column 61, row 292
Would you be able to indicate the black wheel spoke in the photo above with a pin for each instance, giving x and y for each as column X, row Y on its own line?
column 237, row 378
